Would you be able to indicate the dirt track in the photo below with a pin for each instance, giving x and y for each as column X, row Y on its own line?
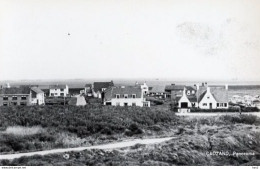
column 104, row 146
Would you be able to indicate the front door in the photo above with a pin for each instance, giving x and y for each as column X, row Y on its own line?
column 210, row 105
column 184, row 105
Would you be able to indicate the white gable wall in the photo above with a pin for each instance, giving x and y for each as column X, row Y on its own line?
column 206, row 100
column 184, row 99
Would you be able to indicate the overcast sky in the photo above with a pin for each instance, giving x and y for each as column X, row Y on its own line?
column 48, row 39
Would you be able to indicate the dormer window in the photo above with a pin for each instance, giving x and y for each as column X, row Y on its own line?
column 193, row 92
column 103, row 89
column 14, row 98
column 125, row 96
column 188, row 92
column 133, row 96
column 117, row 96
column 208, row 97
column 5, row 98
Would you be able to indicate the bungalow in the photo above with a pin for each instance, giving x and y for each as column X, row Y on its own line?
column 58, row 90
column 23, row 95
column 125, row 96
column 100, row 87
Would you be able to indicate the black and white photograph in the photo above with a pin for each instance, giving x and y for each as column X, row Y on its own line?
column 129, row 83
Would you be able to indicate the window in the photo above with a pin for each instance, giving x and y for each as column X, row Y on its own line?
column 117, row 96
column 225, row 104
column 125, row 104
column 5, row 104
column 5, row 98
column 103, row 89
column 193, row 92
column 117, row 104
column 208, row 97
column 62, row 94
column 52, row 94
column 134, row 96
column 217, row 104
column 188, row 92
column 23, row 97
column 14, row 98
column 125, row 96
column 146, row 104
column 204, row 104
column 133, row 104
column 61, row 90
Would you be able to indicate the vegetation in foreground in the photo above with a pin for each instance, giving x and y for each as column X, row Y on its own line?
column 48, row 127
column 196, row 137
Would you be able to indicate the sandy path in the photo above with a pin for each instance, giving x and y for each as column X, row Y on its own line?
column 104, row 146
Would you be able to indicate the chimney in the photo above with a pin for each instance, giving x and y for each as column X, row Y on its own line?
column 226, row 86
column 206, row 84
column 208, row 89
column 197, row 86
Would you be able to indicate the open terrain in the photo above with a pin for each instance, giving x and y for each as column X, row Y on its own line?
column 194, row 137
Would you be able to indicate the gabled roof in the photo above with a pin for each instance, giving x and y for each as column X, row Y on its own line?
column 113, row 91
column 157, row 89
column 220, row 94
column 57, row 86
column 16, row 90
column 99, row 85
column 36, row 90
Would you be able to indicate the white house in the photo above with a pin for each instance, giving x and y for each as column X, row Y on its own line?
column 187, row 101
column 214, row 98
column 37, row 96
column 59, row 90
column 125, row 96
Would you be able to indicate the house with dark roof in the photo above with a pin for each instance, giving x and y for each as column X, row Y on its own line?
column 23, row 95
column 58, row 90
column 100, row 87
column 158, row 92
column 176, row 91
column 125, row 96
